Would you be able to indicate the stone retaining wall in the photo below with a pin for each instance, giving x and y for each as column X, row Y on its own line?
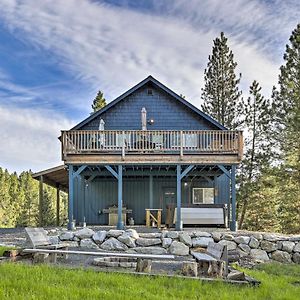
column 258, row 247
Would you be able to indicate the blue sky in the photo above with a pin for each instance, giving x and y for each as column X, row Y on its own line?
column 55, row 55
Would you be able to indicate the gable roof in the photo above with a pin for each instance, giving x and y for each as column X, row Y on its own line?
column 136, row 87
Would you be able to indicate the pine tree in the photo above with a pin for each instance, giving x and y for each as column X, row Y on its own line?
column 286, row 103
column 221, row 95
column 99, row 102
column 257, row 121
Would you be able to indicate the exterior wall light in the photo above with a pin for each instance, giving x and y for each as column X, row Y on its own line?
column 151, row 121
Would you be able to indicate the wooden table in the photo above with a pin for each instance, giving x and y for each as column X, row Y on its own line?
column 150, row 217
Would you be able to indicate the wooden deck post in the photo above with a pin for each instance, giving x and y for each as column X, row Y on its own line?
column 57, row 204
column 178, row 211
column 120, row 224
column 71, row 198
column 41, row 200
column 151, row 191
column 233, row 200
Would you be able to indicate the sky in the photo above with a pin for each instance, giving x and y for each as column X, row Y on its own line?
column 56, row 54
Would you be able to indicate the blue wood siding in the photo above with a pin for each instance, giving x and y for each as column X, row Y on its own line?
column 167, row 112
column 102, row 193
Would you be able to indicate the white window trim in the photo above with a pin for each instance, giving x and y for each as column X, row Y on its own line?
column 203, row 191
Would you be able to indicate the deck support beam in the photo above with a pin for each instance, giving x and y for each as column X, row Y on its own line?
column 41, row 199
column 180, row 176
column 119, row 176
column 151, row 191
column 57, row 205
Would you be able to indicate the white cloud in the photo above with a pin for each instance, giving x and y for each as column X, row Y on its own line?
column 29, row 138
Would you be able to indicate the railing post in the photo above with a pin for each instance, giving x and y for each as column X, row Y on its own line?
column 123, row 145
column 181, row 143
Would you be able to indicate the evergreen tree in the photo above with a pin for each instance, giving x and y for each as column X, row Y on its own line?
column 99, row 102
column 257, row 122
column 221, row 95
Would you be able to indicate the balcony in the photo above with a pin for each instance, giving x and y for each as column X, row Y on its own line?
column 151, row 146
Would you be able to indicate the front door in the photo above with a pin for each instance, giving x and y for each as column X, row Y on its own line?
column 168, row 204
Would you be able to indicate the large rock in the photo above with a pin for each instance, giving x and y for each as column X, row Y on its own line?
column 270, row 237
column 54, row 239
column 230, row 244
column 296, row 258
column 201, row 241
column 132, row 233
column 259, row 255
column 127, row 240
column 242, row 239
column 268, row 246
column 228, row 237
column 179, row 248
column 114, row 233
column 257, row 235
column 113, row 244
column 286, row 246
column 253, row 243
column 297, row 248
column 151, row 250
column 166, row 242
column 201, row 234
column 245, row 248
column 185, row 238
column 150, row 235
column 84, row 233
column 99, row 237
column 217, row 236
column 71, row 244
column 66, row 236
column 147, row 242
column 281, row 256
column 88, row 243
column 172, row 234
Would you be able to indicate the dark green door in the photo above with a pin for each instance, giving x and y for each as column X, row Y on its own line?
column 168, row 203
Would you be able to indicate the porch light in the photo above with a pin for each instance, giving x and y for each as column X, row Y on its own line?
column 151, row 121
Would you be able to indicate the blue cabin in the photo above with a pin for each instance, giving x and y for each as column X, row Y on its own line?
column 149, row 155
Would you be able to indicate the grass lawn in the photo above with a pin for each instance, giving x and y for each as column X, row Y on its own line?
column 3, row 248
column 19, row 281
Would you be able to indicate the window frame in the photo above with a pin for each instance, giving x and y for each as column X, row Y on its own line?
column 203, row 194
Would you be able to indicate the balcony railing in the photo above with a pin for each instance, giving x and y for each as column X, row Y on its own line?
column 151, row 141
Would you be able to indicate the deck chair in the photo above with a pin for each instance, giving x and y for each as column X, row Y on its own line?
column 37, row 238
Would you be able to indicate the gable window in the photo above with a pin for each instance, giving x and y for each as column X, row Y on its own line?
column 203, row 195
column 149, row 92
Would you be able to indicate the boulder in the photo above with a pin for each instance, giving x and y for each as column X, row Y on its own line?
column 296, row 258
column 84, row 233
column 259, row 255
column 166, row 242
column 245, row 248
column 66, row 236
column 179, row 248
column 113, row 244
column 71, row 244
column 151, row 250
column 147, row 242
column 257, row 235
column 185, row 238
column 150, row 235
column 241, row 253
column 99, row 236
column 297, row 247
column 230, row 244
column 54, row 239
column 127, row 240
column 114, row 233
column 201, row 241
column 242, row 239
column 216, row 236
column 236, row 275
column 88, row 243
column 286, row 246
column 201, row 234
column 253, row 243
column 270, row 237
column 268, row 246
column 228, row 237
column 132, row 233
column 172, row 234
column 281, row 256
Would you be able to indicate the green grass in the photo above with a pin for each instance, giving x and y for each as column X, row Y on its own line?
column 20, row 281
column 4, row 248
